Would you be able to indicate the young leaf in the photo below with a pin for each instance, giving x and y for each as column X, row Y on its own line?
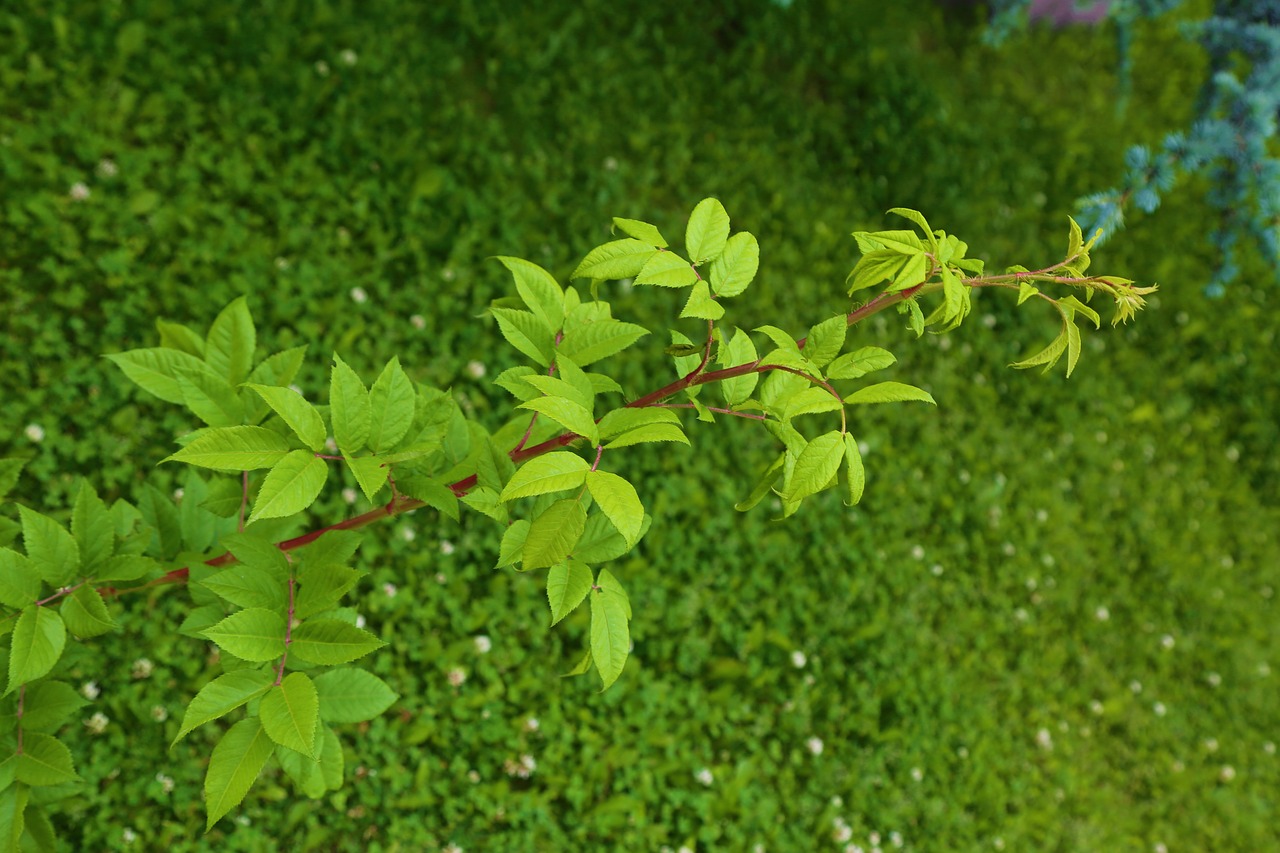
column 222, row 696
column 35, row 646
column 1073, row 345
column 48, row 704
column 231, row 342
column 667, row 269
column 291, row 486
column 210, row 397
column 736, row 266
column 610, row 636
column 180, row 337
column 19, row 584
column 290, row 713
column 234, row 766
column 124, row 567
column 621, row 420
column 918, row 218
column 553, row 534
column 391, row 403
column 618, row 259
column 1048, row 356
column 815, row 467
column 330, row 642
column 890, row 392
column 155, row 370
column 707, row 232
column 763, row 485
column 539, row 290
column 567, row 584
column 237, row 448
column 431, row 492
column 44, row 761
column 553, row 472
column 855, row 475
column 322, row 587
column 617, row 499
column 296, row 412
column 700, row 305
column 860, row 362
column 92, row 528
column 527, row 333
column 512, row 543
column 650, row 433
column 591, row 342
column 85, row 613
column 371, row 473
column 255, row 634
column 914, row 271
column 570, row 415
column 873, row 268
column 349, row 695
column 51, row 551
column 826, row 339
column 348, row 407
column 641, row 231
column 739, row 350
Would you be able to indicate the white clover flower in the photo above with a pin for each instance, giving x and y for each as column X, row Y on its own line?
column 446, row 547
column 1167, row 641
column 1021, row 614
column 348, row 57
column 389, row 589
column 1102, row 614
column 448, row 274
column 998, row 843
column 528, row 763
column 684, row 849
column 1159, row 709
column 1135, row 686
column 178, row 494
column 1227, row 773
column 1264, row 669
column 360, row 623
column 473, row 776
column 359, row 295
column 107, row 168
column 440, row 578
column 1214, row 679
column 895, row 838
column 842, row 833
column 476, row 369
column 282, row 263
column 917, row 774
column 97, row 724
column 35, row 432
column 873, row 839
column 704, row 777
column 331, row 444
column 128, row 836
column 408, row 534
column 610, row 164
column 1044, row 740
column 483, row 644
column 1158, row 847
column 814, row 745
column 418, row 322
column 962, row 752
column 917, row 551
column 322, row 68
column 79, row 191
column 936, row 568
column 1211, row 744
column 166, row 783
column 853, row 848
column 159, row 713
column 1095, row 706
column 457, row 676
column 349, row 495
column 451, row 848
column 798, row 660
column 90, row 690
column 142, row 668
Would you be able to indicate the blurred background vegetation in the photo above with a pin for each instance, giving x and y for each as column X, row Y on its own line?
column 1049, row 625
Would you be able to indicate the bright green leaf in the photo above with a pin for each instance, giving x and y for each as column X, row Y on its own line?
column 855, row 474
column 370, row 472
column 223, row 695
column 591, row 342
column 707, row 232
column 331, row 642
column 567, row 585
column 19, row 584
column 255, row 634
column 391, row 404
column 45, row 761
column 155, row 370
column 736, row 267
column 826, row 339
column 860, row 362
column 815, row 467
column 570, row 415
column 291, row 486
column 36, row 644
column 234, row 766
column 231, row 342
column 238, row 448
column 290, row 713
column 85, row 613
column 617, row 499
column 47, row 705
column 348, row 407
column 610, row 634
column 51, row 551
column 650, row 433
column 615, row 260
column 641, row 231
column 351, row 695
column 296, row 412
column 539, row 290
column 890, row 392
column 667, row 269
column 553, row 534
column 553, row 472
column 512, row 543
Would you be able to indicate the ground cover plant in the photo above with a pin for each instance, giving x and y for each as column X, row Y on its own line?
column 922, row 646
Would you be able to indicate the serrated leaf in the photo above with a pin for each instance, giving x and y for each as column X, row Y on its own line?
column 918, row 218
column 279, row 368
column 299, row 415
column 811, row 401
column 1048, row 356
column 19, row 584
column 1073, row 346
column 570, row 415
column 222, row 696
column 591, row 342
column 303, row 769
column 1026, row 290
column 582, row 667
column 553, row 534
column 826, row 339
column 199, row 620
column 155, row 370
column 486, row 501
column 815, row 467
column 860, row 362
column 567, row 585
column 290, row 713
column 614, row 260
column 38, row 638
column 331, row 759
column 350, row 695
column 180, row 337
column 46, row 705
column 667, row 269
column 1075, row 240
column 856, row 478
column 255, row 634
column 13, row 807
column 903, row 242
column 539, row 290
column 621, row 420
column 514, row 380
column 237, row 448
column 234, row 766
column 1078, row 307
column 431, row 492
column 527, row 333
column 618, row 500
column 330, row 642
column 763, row 485
column 553, row 472
column 738, row 351
column 583, row 391
column 249, row 586
column 370, row 472
column 601, row 541
column 231, row 342
column 391, row 404
column 291, row 486
column 124, row 567
column 700, row 305
column 610, row 634
column 45, row 761
column 348, row 407
column 734, row 270
column 51, row 551
column 890, row 392
column 512, row 543
column 9, row 471
column 210, row 397
column 914, row 271
column 641, row 231
column 321, row 587
column 649, row 434
column 85, row 613
column 874, row 267
column 707, row 232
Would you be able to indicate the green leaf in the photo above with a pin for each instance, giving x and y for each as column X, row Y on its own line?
column 567, row 585
column 601, row 541
column 223, row 695
column 826, row 339
column 650, row 433
column 593, row 341
column 618, row 259
column 280, row 368
column 45, row 761
column 512, row 543
column 1048, row 356
column 1075, row 241
column 1073, row 345
column 553, row 534
column 860, row 362
column 13, row 807
column 811, row 401
column 914, row 271
column 330, row 642
column 736, row 267
column 371, row 473
column 237, row 448
column 513, row 379
column 854, row 472
column 351, row 695
column 707, row 232
column 35, row 646
column 527, row 333
column 51, row 551
column 738, row 351
column 291, row 486
column 621, row 420
column 231, row 342
column 155, row 370
column 19, row 584
column 700, row 305
column 210, row 397
column 902, row 242
column 124, row 567
column 255, row 634
column 667, row 269
column 610, row 635
column 890, row 392
column 1075, row 306
column 553, row 472
column 322, row 587
column 303, row 769
column 249, row 586
column 348, row 407
column 85, row 613
column 9, row 471
column 431, row 492
column 391, row 403
column 617, row 499
column 199, row 620
column 258, row 552
column 918, row 218
column 554, row 386
column 290, row 713
column 582, row 667
column 762, row 486
column 570, row 415
column 296, row 412
column 180, row 337
column 641, row 231
column 234, row 766
column 539, row 290
column 161, row 515
column 781, row 339
column 815, row 467
column 1026, row 290
column 46, row 705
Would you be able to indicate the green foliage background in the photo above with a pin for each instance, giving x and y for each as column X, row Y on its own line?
column 945, row 622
